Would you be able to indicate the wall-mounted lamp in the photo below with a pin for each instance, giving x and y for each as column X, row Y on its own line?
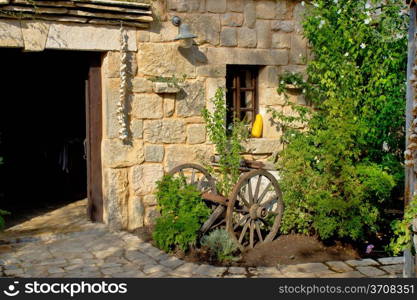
column 185, row 36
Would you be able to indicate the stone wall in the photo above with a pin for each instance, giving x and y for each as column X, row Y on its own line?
column 166, row 124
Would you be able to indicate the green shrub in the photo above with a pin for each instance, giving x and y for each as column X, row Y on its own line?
column 220, row 244
column 402, row 229
column 2, row 222
column 182, row 214
column 339, row 172
column 228, row 143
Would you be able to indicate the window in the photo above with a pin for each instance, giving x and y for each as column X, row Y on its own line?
column 241, row 95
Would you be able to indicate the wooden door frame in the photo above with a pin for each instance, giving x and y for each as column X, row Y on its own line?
column 94, row 134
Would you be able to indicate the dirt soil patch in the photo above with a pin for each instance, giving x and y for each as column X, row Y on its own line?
column 297, row 249
column 285, row 250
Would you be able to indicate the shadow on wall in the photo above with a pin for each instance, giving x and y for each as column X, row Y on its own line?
column 193, row 55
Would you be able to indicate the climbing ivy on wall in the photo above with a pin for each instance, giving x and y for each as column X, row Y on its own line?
column 339, row 174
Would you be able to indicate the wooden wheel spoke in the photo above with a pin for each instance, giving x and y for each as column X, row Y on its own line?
column 241, row 221
column 258, row 185
column 243, row 199
column 193, row 176
column 264, row 192
column 250, row 194
column 252, row 234
column 258, row 231
column 242, row 234
column 267, row 203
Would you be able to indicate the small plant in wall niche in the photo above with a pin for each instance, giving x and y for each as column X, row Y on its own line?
column 291, row 81
column 182, row 214
column 172, row 81
column 228, row 142
column 221, row 245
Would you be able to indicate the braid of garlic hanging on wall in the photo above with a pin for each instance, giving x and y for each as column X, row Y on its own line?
column 121, row 106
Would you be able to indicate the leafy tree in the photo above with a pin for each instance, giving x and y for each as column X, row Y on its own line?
column 338, row 173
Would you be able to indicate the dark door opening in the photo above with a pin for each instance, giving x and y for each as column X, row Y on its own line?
column 45, row 130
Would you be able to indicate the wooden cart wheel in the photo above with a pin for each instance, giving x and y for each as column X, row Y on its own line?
column 195, row 174
column 255, row 209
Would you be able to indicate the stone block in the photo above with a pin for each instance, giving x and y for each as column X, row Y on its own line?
column 11, row 34
column 304, row 268
column 212, row 84
column 143, row 36
column 339, row 266
column 268, row 77
column 298, row 15
column 248, row 56
column 141, row 85
column 370, row 271
column 216, row 6
column 354, row 274
column 249, row 13
column 143, row 178
column 115, row 198
column 154, row 153
column 247, row 38
column 266, row 9
column 100, row 38
column 263, row 32
column 263, row 146
column 147, row 106
column 116, row 154
column 391, row 260
column 191, row 99
column 151, row 213
column 393, row 269
column 179, row 154
column 282, row 9
column 283, row 25
column 235, row 5
column 211, row 70
column 206, row 26
column 35, row 34
column 166, row 59
column 298, row 53
column 136, row 212
column 232, row 19
column 271, row 127
column 169, row 131
column 150, row 200
column 280, row 57
column 185, row 5
column 196, row 134
column 169, row 105
column 270, row 96
column 165, row 88
column 162, row 32
column 281, row 41
column 136, row 128
column 111, row 64
column 228, row 37
column 362, row 262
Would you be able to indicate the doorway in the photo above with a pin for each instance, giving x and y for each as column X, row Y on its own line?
column 50, row 132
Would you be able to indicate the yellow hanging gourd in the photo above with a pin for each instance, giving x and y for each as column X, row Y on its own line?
column 257, row 127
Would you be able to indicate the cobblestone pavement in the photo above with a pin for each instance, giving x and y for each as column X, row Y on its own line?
column 94, row 251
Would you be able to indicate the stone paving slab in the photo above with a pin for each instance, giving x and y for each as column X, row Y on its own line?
column 95, row 251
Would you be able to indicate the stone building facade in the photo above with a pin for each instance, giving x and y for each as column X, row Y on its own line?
column 165, row 121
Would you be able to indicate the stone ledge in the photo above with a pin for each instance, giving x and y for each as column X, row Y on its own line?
column 165, row 88
column 63, row 36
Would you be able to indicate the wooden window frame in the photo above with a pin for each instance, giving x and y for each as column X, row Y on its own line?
column 235, row 89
